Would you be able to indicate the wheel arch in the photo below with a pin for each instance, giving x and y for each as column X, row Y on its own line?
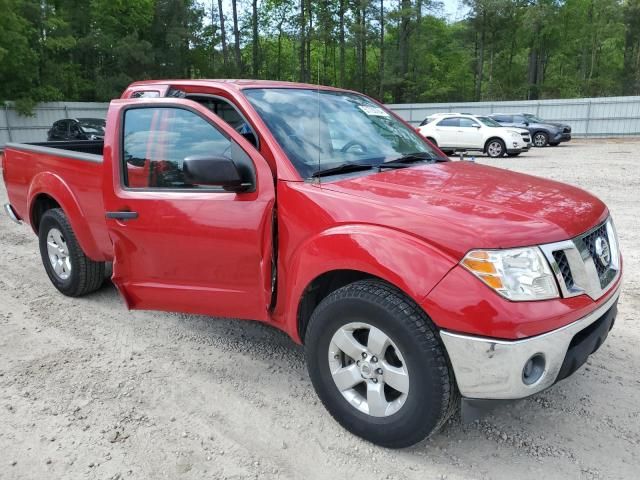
column 349, row 253
column 48, row 191
column 490, row 139
column 320, row 288
column 39, row 205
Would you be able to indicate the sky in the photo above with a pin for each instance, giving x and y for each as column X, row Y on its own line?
column 454, row 9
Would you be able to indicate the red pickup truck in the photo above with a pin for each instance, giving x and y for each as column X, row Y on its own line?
column 415, row 283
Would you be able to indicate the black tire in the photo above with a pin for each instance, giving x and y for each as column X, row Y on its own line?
column 555, row 144
column 432, row 140
column 85, row 275
column 513, row 154
column 495, row 148
column 432, row 396
column 540, row 139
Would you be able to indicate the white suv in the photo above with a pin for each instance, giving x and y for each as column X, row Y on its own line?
column 475, row 132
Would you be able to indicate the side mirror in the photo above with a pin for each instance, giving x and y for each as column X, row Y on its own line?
column 214, row 171
column 526, row 124
column 475, row 125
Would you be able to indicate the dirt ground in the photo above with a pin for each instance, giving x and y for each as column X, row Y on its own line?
column 90, row 390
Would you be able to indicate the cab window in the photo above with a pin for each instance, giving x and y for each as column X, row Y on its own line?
column 227, row 112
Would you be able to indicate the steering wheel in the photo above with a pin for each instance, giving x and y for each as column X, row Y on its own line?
column 353, row 143
column 302, row 143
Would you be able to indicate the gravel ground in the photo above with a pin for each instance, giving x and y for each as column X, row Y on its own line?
column 89, row 390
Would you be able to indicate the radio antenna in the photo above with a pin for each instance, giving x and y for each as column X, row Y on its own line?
column 318, row 116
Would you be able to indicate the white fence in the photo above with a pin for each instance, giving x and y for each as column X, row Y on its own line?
column 18, row 128
column 608, row 116
column 588, row 117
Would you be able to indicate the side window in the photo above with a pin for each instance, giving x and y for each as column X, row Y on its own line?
column 74, row 129
column 146, row 94
column 519, row 119
column 227, row 112
column 503, row 118
column 158, row 139
column 467, row 122
column 449, row 122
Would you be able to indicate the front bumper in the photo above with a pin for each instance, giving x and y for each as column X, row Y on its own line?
column 487, row 368
column 561, row 137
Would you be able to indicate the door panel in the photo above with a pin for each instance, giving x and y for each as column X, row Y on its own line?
column 190, row 248
column 469, row 135
column 446, row 132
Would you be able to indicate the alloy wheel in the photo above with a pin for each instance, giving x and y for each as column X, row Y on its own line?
column 495, row 149
column 58, row 253
column 539, row 140
column 368, row 369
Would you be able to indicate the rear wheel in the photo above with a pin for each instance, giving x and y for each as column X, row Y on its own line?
column 378, row 366
column 68, row 268
column 540, row 139
column 495, row 148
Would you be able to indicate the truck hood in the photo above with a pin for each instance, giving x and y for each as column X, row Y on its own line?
column 459, row 206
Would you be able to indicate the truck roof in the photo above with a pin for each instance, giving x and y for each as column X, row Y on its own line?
column 238, row 84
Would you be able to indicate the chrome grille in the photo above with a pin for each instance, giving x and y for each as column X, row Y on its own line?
column 590, row 242
column 563, row 264
column 577, row 265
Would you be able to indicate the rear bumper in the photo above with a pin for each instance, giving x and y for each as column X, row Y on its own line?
column 487, row 368
column 11, row 213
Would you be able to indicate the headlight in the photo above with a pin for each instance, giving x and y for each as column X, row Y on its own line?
column 518, row 274
column 515, row 134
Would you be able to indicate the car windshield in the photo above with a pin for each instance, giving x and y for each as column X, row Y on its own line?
column 320, row 129
column 533, row 118
column 92, row 125
column 489, row 122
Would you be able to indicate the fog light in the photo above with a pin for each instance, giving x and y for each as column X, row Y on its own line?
column 533, row 369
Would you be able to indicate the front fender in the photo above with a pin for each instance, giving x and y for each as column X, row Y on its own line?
column 54, row 186
column 403, row 260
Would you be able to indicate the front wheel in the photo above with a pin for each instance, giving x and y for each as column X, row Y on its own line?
column 378, row 366
column 540, row 139
column 68, row 268
column 495, row 148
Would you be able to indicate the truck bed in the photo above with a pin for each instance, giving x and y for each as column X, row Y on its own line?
column 71, row 175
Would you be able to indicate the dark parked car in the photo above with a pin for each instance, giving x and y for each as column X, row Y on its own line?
column 543, row 133
column 77, row 129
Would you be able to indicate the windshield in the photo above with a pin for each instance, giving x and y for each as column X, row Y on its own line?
column 533, row 118
column 320, row 129
column 92, row 125
column 489, row 122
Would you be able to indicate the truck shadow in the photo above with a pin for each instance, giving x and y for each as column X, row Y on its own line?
column 534, row 427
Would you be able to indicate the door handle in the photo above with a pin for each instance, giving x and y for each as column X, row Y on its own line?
column 122, row 215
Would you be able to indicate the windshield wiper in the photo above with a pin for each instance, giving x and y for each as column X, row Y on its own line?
column 401, row 162
column 413, row 158
column 344, row 168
